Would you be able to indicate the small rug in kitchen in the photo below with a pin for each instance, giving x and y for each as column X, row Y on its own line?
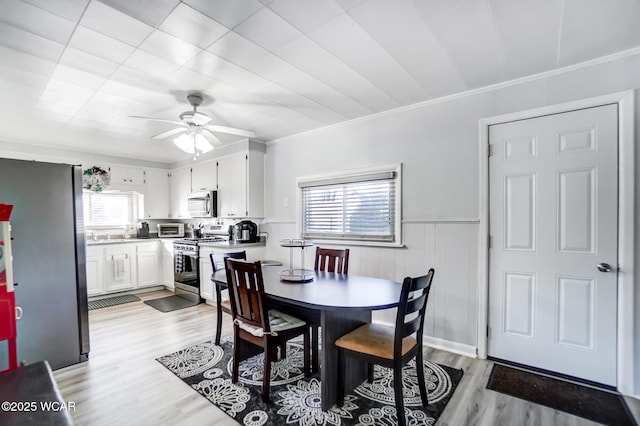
column 206, row 367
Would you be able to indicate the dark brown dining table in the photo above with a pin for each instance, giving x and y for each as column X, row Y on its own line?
column 339, row 303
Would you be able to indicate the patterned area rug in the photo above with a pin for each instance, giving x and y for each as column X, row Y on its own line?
column 295, row 400
column 112, row 301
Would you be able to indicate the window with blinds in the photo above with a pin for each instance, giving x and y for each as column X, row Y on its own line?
column 108, row 209
column 357, row 207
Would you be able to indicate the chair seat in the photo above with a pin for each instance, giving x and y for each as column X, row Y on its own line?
column 225, row 304
column 278, row 321
column 374, row 339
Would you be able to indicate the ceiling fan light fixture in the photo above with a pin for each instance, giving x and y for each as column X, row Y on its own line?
column 193, row 143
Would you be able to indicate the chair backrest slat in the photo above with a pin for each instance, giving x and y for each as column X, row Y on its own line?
column 246, row 288
column 217, row 259
column 412, row 308
column 332, row 260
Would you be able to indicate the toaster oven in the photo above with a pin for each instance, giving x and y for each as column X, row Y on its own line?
column 170, row 230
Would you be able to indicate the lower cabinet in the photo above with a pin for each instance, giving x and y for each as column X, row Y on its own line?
column 166, row 248
column 118, row 267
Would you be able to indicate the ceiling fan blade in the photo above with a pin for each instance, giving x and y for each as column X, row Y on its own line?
column 169, row 133
column 200, row 119
column 211, row 137
column 231, row 130
column 156, row 119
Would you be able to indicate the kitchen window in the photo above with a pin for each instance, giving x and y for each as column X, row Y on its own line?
column 359, row 206
column 109, row 209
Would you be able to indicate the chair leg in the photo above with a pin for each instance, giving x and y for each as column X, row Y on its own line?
column 266, row 374
column 369, row 372
column 236, row 355
column 421, row 382
column 219, row 323
column 307, row 353
column 314, row 348
column 397, row 387
column 283, row 350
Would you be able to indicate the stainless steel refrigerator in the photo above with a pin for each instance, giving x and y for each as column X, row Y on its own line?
column 48, row 244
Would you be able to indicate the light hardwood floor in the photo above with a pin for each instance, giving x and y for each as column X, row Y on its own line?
column 122, row 384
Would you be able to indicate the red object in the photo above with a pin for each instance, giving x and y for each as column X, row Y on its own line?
column 5, row 212
column 8, row 325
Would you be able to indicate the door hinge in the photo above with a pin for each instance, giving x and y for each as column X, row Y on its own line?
column 488, row 150
column 489, row 242
column 488, row 332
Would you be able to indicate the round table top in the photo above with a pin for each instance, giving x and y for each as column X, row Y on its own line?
column 329, row 291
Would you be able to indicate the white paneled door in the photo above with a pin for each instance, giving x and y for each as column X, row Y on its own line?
column 553, row 225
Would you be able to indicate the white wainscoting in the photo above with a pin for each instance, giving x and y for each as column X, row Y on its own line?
column 451, row 248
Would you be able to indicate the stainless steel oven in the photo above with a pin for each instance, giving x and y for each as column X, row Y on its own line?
column 185, row 269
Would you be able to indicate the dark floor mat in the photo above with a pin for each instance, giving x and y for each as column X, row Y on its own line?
column 592, row 404
column 170, row 303
column 112, row 301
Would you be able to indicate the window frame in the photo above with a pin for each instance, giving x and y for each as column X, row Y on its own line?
column 350, row 176
column 136, row 204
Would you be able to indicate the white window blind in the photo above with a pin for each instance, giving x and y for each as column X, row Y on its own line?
column 361, row 207
column 108, row 209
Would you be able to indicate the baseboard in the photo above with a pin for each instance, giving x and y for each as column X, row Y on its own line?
column 445, row 345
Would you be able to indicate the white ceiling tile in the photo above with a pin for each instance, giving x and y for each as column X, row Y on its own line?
column 83, row 122
column 310, row 57
column 267, row 29
column 467, row 32
column 108, row 101
column 35, row 20
column 237, row 49
column 64, row 89
column 60, row 104
column 350, row 4
column 80, row 60
column 98, row 44
column 78, row 77
column 516, row 23
column 192, row 26
column 122, row 90
column 101, row 116
column 115, row 24
column 227, row 12
column 169, row 47
column 152, row 12
column 225, row 71
column 30, row 43
column 150, row 64
column 27, row 79
column 344, row 38
column 68, row 9
column 186, row 79
column 584, row 37
column 395, row 26
column 306, row 15
column 23, row 61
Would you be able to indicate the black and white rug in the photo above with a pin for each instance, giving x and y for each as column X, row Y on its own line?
column 295, row 400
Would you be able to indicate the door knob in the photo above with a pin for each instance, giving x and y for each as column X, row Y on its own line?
column 604, row 267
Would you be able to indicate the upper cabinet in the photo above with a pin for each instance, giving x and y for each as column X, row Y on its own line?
column 179, row 190
column 241, row 185
column 126, row 178
column 156, row 194
column 203, row 176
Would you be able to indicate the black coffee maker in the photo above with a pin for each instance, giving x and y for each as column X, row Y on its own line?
column 143, row 230
column 245, row 231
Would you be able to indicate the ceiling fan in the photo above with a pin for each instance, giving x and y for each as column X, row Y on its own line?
column 195, row 134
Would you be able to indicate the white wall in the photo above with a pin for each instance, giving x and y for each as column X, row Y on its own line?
column 438, row 145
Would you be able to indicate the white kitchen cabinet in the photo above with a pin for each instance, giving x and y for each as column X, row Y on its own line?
column 95, row 271
column 206, row 285
column 127, row 176
column 241, row 185
column 203, row 176
column 120, row 267
column 147, row 264
column 167, row 264
column 156, row 194
column 180, row 188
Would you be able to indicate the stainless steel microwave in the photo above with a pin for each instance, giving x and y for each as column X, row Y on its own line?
column 170, row 230
column 203, row 204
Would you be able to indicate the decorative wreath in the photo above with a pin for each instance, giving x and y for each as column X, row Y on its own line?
column 95, row 179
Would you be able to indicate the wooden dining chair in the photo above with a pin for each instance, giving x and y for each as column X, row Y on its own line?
column 328, row 260
column 254, row 323
column 392, row 347
column 222, row 305
column 332, row 260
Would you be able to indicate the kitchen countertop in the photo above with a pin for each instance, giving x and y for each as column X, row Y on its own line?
column 226, row 245
column 102, row 241
column 232, row 244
